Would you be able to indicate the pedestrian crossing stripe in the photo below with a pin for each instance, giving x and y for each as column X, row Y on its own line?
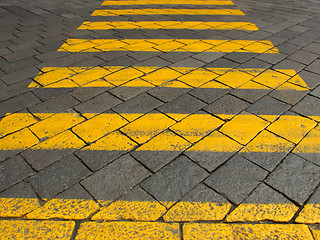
column 166, row 2
column 195, row 25
column 170, row 11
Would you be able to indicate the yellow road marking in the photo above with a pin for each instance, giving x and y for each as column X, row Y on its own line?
column 166, row 2
column 167, row 45
column 17, row 207
column 244, row 78
column 309, row 214
column 245, row 231
column 19, row 229
column 309, row 144
column 155, row 11
column 128, row 230
column 196, row 25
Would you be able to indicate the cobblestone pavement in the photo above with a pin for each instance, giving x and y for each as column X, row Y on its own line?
column 158, row 119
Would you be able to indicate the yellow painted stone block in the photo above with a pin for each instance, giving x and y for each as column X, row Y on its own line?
column 19, row 140
column 14, row 122
column 148, row 2
column 17, row 207
column 310, row 214
column 197, row 77
column 309, row 144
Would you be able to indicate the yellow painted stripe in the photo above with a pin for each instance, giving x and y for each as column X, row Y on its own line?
column 167, row 2
column 19, row 229
column 245, row 231
column 170, row 11
column 196, row 25
column 167, row 45
column 222, row 78
column 101, row 131
column 310, row 214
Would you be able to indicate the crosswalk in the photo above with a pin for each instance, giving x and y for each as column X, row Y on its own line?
column 146, row 130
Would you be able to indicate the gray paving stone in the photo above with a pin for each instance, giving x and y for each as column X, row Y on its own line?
column 174, row 57
column 166, row 94
column 136, row 194
column 18, row 103
column 13, row 171
column 14, row 90
column 20, row 190
column 59, row 176
column 255, row 63
column 305, row 38
column 115, row 179
column 227, row 104
column 316, row 92
column 290, row 97
column 126, row 93
column 303, row 57
column 268, row 106
column 208, row 95
column 289, row 64
column 98, row 104
column 174, row 180
column 315, row 197
column 155, row 61
column 74, row 192
column 288, row 48
column 84, row 94
column 313, row 48
column 184, row 104
column 250, row 95
column 240, row 57
column 222, row 63
column 188, row 62
column 19, row 76
column 308, row 106
column 295, row 177
column 311, row 79
column 208, row 57
column 55, row 105
column 314, row 67
column 236, row 179
column 271, row 58
column 142, row 103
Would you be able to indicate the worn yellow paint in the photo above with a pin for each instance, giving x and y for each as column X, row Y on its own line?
column 254, row 212
column 268, row 142
column 18, row 141
column 272, row 78
column 292, row 128
column 197, row 211
column 243, row 128
column 72, row 209
column 147, row 127
column 196, row 126
column 155, row 11
column 131, row 210
column 99, row 126
column 165, row 141
column 196, row 25
column 297, row 80
column 167, row 2
column 216, row 142
column 309, row 144
column 310, row 214
column 14, row 122
column 115, row 76
column 19, row 229
column 17, row 207
column 128, row 230
column 245, row 231
column 53, row 74
column 171, row 45
column 55, row 124
column 315, row 233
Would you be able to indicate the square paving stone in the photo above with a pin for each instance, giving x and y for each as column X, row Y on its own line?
column 58, row 176
column 184, row 104
column 115, row 179
column 290, row 97
column 209, row 95
column 268, row 106
column 236, row 179
column 20, row 190
column 167, row 94
column 303, row 57
column 174, row 180
column 295, row 177
column 12, row 171
column 227, row 105
column 316, row 92
column 308, row 106
column 314, row 67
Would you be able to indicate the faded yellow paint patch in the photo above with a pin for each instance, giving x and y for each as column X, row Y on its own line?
column 155, row 11
column 17, row 207
column 55, row 124
column 63, row 140
column 166, row 2
column 310, row 214
column 98, row 45
column 197, row 211
column 196, row 126
column 309, row 144
column 292, row 128
column 165, row 141
column 234, row 78
column 243, row 128
column 271, row 78
column 18, row 141
column 197, row 77
column 245, row 231
column 169, row 25
column 76, row 209
column 114, row 141
column 147, row 127
column 315, row 233
column 19, row 229
column 131, row 210
column 99, row 126
column 258, row 212
column 14, row 122
column 128, row 230
column 268, row 142
column 216, row 142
